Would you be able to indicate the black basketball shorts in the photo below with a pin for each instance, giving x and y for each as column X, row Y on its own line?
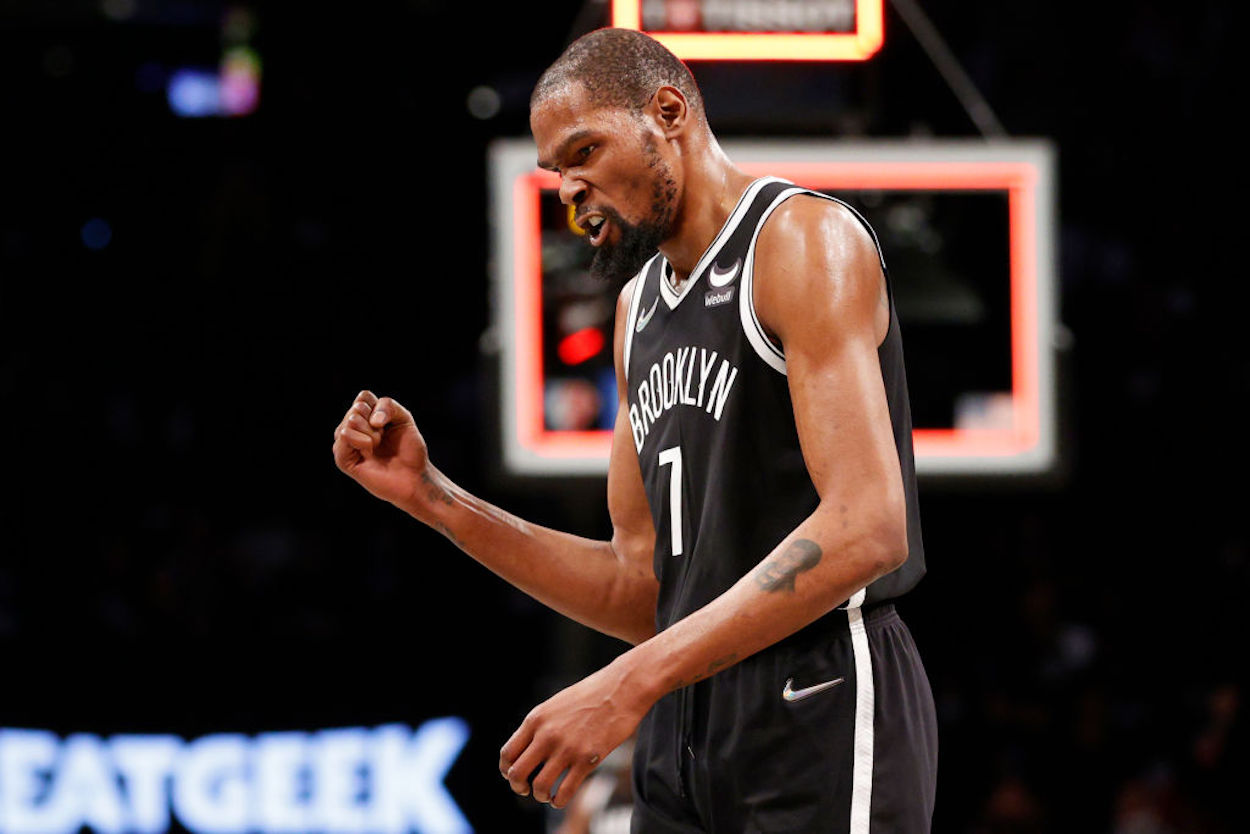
column 832, row 731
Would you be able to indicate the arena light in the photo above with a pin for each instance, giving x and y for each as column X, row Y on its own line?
column 859, row 44
column 194, row 93
column 1024, row 443
column 233, row 89
column 581, row 345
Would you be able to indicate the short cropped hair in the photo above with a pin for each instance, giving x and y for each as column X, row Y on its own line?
column 620, row 67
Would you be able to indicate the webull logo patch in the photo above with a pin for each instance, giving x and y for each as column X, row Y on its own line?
column 715, row 298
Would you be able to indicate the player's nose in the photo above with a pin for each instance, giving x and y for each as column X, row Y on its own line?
column 572, row 191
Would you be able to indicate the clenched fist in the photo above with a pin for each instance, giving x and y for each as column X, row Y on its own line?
column 378, row 445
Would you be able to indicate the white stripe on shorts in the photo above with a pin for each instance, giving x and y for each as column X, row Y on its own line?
column 865, row 698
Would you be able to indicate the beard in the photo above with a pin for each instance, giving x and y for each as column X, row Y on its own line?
column 616, row 263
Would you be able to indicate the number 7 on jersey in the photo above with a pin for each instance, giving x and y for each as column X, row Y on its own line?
column 673, row 456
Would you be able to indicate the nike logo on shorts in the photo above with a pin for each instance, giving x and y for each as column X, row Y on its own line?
column 808, row 691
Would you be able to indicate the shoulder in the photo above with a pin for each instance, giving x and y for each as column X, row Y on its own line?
column 816, row 260
column 806, row 226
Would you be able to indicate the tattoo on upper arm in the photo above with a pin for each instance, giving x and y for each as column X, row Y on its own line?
column 779, row 572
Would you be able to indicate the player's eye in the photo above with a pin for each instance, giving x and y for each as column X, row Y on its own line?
column 585, row 152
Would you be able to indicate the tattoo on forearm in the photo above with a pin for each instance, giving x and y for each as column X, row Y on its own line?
column 720, row 663
column 712, row 668
column 436, row 491
column 778, row 573
column 446, row 531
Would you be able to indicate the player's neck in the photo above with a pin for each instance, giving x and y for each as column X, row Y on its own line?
column 713, row 187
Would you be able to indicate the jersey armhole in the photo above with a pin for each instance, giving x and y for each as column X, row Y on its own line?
column 632, row 317
column 764, row 346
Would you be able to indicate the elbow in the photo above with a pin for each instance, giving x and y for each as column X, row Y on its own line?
column 885, row 550
column 894, row 550
column 889, row 541
column 640, row 635
column 892, row 528
column 630, row 616
column 632, row 596
column 882, row 537
column 638, row 624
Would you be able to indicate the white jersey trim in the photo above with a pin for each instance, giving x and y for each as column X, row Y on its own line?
column 772, row 355
column 631, row 317
column 673, row 298
column 865, row 708
column 764, row 347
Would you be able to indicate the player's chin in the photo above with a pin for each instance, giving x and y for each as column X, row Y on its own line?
column 620, row 257
column 611, row 267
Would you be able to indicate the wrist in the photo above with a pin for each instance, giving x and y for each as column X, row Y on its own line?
column 640, row 674
column 671, row 659
column 428, row 496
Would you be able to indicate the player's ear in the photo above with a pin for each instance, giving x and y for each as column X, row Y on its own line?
column 670, row 110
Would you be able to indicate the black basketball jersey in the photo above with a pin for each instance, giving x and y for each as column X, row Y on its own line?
column 713, row 423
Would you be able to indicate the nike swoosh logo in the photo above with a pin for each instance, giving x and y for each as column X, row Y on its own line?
column 719, row 279
column 646, row 317
column 807, row 691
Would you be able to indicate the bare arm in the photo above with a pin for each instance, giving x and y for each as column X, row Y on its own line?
column 607, row 585
column 819, row 286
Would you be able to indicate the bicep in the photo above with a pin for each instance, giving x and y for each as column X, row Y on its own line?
column 842, row 417
column 633, row 536
column 820, row 293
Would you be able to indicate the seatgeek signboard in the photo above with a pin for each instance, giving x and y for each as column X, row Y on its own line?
column 355, row 780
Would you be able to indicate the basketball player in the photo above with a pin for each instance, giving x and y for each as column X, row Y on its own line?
column 761, row 485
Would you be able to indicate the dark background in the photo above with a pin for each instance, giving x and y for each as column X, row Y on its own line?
column 179, row 553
